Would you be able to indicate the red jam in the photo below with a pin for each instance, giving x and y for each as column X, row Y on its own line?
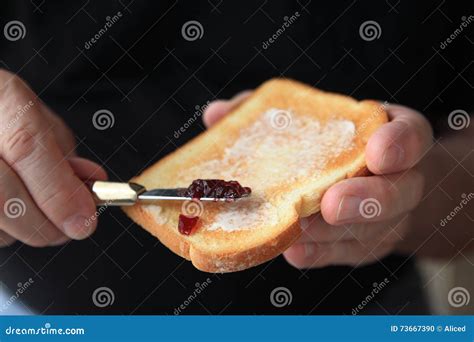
column 216, row 188
column 187, row 224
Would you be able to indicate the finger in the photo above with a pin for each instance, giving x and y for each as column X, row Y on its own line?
column 62, row 132
column 372, row 199
column 87, row 170
column 316, row 230
column 30, row 148
column 20, row 218
column 344, row 253
column 219, row 108
column 399, row 144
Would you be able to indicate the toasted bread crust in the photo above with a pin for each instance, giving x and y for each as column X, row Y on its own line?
column 217, row 263
column 261, row 250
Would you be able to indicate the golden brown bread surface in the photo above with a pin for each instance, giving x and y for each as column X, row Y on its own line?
column 288, row 142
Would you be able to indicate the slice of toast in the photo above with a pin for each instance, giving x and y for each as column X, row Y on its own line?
column 289, row 142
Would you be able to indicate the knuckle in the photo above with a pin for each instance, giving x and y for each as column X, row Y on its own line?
column 20, row 144
column 49, row 203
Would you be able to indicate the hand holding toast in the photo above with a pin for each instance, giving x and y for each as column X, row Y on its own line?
column 362, row 219
column 43, row 197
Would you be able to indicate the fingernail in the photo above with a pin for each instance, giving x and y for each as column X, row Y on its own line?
column 77, row 227
column 391, row 157
column 308, row 249
column 348, row 208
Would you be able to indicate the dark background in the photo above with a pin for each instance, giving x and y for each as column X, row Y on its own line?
column 151, row 79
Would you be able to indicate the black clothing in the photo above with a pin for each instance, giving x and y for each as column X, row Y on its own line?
column 151, row 78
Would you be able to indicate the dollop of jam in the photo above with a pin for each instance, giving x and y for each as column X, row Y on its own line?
column 187, row 224
column 216, row 188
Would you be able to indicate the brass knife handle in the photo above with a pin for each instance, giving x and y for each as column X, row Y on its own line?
column 116, row 193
